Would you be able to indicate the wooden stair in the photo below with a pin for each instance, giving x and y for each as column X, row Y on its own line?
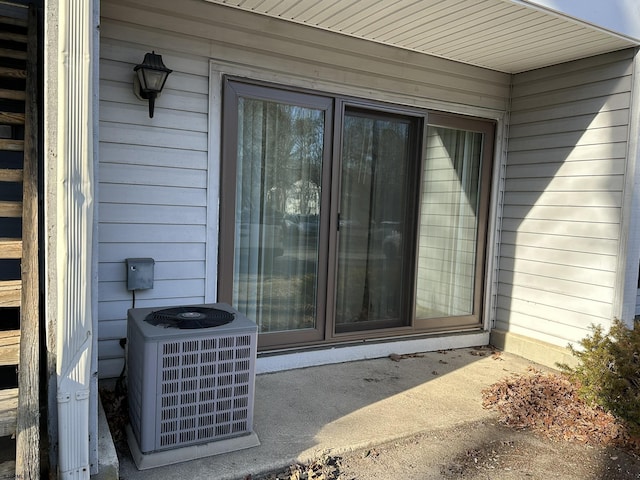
column 19, row 294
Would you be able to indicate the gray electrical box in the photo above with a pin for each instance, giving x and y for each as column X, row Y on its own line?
column 139, row 273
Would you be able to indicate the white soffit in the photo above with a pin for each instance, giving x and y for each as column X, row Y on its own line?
column 497, row 34
column 620, row 16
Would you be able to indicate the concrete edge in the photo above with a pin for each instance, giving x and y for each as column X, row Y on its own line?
column 108, row 464
column 368, row 350
column 145, row 461
column 544, row 353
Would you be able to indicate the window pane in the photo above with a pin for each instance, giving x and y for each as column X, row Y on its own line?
column 279, row 163
column 448, row 227
column 377, row 154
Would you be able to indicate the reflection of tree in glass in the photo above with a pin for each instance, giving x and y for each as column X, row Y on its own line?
column 305, row 162
column 374, row 161
column 279, row 169
column 377, row 157
column 280, row 145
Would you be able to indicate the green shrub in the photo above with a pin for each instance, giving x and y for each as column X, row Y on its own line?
column 608, row 371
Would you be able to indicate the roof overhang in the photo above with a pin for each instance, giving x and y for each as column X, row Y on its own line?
column 509, row 36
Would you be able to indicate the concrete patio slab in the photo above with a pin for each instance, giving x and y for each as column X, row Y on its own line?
column 301, row 414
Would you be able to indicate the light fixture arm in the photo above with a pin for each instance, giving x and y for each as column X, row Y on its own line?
column 152, row 103
column 151, row 76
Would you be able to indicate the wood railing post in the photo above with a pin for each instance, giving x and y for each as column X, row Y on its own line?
column 28, row 422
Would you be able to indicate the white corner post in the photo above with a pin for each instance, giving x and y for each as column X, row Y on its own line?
column 629, row 252
column 73, row 201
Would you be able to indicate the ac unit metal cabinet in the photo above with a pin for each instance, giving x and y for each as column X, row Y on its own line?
column 190, row 386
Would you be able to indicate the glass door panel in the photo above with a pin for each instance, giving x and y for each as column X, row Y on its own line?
column 448, row 231
column 375, row 221
column 278, row 195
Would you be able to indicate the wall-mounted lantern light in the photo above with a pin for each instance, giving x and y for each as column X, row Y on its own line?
column 150, row 79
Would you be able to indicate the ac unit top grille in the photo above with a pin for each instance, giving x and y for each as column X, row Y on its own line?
column 238, row 323
column 189, row 317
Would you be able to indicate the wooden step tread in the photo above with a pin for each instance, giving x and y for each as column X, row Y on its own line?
column 9, row 347
column 6, row 94
column 8, row 72
column 11, row 118
column 13, row 37
column 11, row 145
column 10, row 53
column 8, row 469
column 10, row 293
column 11, row 175
column 10, row 248
column 11, row 209
column 21, row 22
column 8, row 411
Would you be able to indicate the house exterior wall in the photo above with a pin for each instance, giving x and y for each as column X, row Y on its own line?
column 153, row 190
column 563, row 222
column 157, row 192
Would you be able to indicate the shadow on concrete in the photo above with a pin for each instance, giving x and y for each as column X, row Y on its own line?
column 486, row 450
column 301, row 414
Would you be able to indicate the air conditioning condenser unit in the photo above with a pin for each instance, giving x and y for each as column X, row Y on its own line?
column 191, row 381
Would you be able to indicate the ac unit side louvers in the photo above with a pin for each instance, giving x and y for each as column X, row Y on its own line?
column 190, row 386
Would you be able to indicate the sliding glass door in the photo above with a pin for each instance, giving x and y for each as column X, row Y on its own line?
column 343, row 219
column 454, row 197
column 379, row 156
column 272, row 248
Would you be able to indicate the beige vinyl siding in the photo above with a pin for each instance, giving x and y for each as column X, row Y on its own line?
column 157, row 192
column 563, row 198
column 152, row 191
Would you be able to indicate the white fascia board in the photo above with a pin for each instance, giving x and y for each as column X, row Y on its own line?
column 618, row 17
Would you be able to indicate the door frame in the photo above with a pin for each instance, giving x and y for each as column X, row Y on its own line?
column 218, row 69
column 228, row 176
column 344, row 103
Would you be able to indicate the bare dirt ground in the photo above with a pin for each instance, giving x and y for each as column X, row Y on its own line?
column 489, row 451
column 492, row 452
column 542, row 430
